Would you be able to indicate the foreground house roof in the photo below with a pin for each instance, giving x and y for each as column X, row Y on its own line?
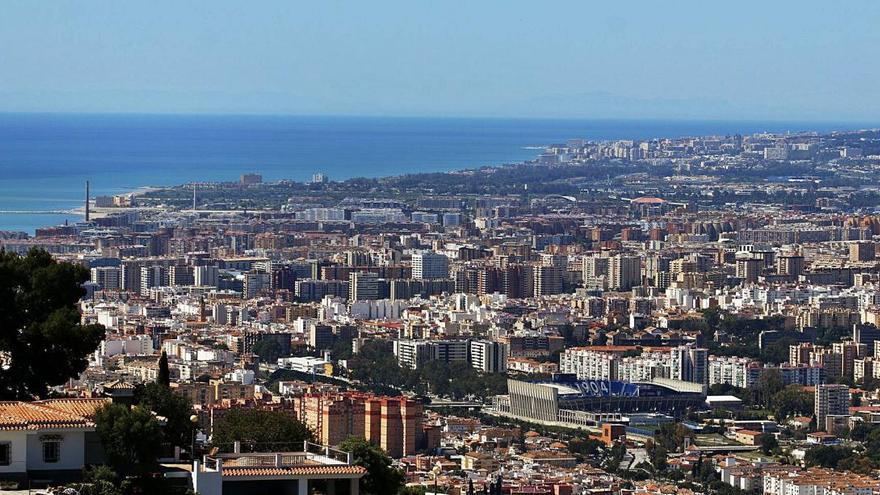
column 49, row 414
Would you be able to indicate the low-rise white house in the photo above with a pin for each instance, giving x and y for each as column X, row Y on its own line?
column 49, row 439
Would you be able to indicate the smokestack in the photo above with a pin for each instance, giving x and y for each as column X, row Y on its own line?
column 87, row 201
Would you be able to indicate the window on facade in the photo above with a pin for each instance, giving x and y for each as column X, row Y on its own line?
column 5, row 454
column 51, row 451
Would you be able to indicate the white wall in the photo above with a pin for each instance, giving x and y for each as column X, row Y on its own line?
column 72, row 450
column 17, row 452
column 207, row 482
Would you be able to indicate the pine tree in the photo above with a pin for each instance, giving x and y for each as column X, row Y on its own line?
column 42, row 338
column 164, row 377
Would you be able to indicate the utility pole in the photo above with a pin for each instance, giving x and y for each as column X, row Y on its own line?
column 87, row 201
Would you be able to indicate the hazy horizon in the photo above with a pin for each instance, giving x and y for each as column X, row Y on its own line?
column 851, row 124
column 684, row 60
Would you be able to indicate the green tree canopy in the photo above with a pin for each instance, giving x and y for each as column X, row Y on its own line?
column 164, row 377
column 827, row 456
column 791, row 401
column 768, row 384
column 657, row 454
column 130, row 437
column 381, row 477
column 768, row 443
column 40, row 329
column 614, row 457
column 587, row 447
column 269, row 350
column 376, row 366
column 260, row 431
column 671, row 436
column 175, row 408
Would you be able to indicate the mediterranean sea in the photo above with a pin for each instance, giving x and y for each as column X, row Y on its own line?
column 45, row 159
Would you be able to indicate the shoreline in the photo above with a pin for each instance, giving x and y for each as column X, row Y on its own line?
column 101, row 211
column 285, row 161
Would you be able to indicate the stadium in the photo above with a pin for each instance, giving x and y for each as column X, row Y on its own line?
column 567, row 401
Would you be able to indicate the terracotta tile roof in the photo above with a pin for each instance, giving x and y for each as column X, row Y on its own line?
column 118, row 385
column 79, row 407
column 326, row 470
column 55, row 413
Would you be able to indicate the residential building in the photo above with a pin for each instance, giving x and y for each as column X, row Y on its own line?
column 832, row 399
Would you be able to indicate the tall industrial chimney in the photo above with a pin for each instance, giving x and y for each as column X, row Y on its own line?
column 87, row 201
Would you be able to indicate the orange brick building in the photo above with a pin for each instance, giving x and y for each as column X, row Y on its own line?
column 393, row 423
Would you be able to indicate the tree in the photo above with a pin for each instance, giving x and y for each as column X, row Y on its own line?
column 827, row 456
column 97, row 480
column 164, row 377
column 131, row 438
column 777, row 352
column 175, row 408
column 614, row 457
column 260, row 431
column 269, row 350
column 342, row 349
column 658, row 456
column 587, row 447
column 768, row 443
column 790, row 401
column 671, row 436
column 93, row 488
column 381, row 477
column 769, row 383
column 861, row 464
column 41, row 334
column 712, row 316
column 706, row 471
column 98, row 473
column 827, row 336
column 860, row 432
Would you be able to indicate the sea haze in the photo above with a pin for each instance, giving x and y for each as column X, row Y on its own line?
column 45, row 159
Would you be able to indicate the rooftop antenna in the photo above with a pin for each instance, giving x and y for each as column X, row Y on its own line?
column 87, row 201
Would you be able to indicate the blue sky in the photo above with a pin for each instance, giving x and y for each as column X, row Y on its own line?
column 780, row 60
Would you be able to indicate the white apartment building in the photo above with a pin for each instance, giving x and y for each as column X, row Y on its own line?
column 136, row 345
column 609, row 363
column 817, row 481
column 589, row 364
column 731, row 370
column 488, row 356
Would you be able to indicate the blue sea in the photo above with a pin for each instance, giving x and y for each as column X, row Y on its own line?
column 45, row 159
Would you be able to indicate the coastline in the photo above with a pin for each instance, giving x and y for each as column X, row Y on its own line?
column 98, row 211
column 63, row 151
